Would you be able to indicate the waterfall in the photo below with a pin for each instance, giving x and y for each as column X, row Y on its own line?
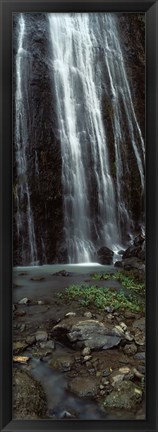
column 82, row 134
column 78, row 146
column 120, row 92
column 24, row 218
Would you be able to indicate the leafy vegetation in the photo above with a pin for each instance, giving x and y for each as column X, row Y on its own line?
column 129, row 281
column 101, row 297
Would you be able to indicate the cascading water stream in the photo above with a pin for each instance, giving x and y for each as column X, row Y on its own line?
column 88, row 129
column 120, row 92
column 82, row 135
column 28, row 251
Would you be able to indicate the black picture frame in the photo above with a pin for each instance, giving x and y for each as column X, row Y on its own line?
column 151, row 9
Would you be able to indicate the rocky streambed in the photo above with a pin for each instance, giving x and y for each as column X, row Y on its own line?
column 71, row 360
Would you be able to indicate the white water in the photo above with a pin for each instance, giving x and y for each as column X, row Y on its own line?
column 21, row 143
column 120, row 92
column 76, row 39
column 82, row 134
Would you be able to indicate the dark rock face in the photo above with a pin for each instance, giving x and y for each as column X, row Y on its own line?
column 137, row 249
column 45, row 187
column 105, row 255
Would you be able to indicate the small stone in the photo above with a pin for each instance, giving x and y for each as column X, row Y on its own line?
column 101, row 387
column 40, row 302
column 119, row 330
column 86, row 351
column 37, row 278
column 102, row 392
column 30, row 340
column 137, row 373
column 70, row 314
column 117, row 379
column 87, row 358
column 49, row 344
column 88, row 315
column 41, row 336
column 140, row 356
column 98, row 374
column 109, row 309
column 140, row 324
column 142, row 369
column 129, row 315
column 140, row 339
column 128, row 336
column 63, row 362
column 130, row 349
column 124, row 370
column 19, row 346
column 110, row 317
column 23, row 301
column 106, row 372
column 123, row 326
column 105, row 382
column 21, row 359
column 66, row 415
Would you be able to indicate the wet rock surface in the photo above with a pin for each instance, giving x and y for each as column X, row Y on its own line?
column 87, row 356
column 29, row 400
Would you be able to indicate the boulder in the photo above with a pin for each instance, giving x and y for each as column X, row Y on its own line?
column 86, row 333
column 93, row 334
column 126, row 396
column 29, row 400
column 105, row 255
column 84, row 387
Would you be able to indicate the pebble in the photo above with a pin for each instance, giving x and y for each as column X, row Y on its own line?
column 102, row 392
column 110, row 317
column 105, row 381
column 101, row 387
column 41, row 336
column 88, row 315
column 70, row 314
column 40, row 302
column 137, row 373
column 49, row 344
column 128, row 336
column 106, row 372
column 123, row 326
column 130, row 349
column 86, row 351
column 108, row 309
column 140, row 339
column 140, row 356
column 87, row 358
column 124, row 370
column 142, row 369
column 30, row 340
column 24, row 301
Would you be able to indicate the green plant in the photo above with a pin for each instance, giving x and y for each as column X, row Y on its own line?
column 102, row 297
